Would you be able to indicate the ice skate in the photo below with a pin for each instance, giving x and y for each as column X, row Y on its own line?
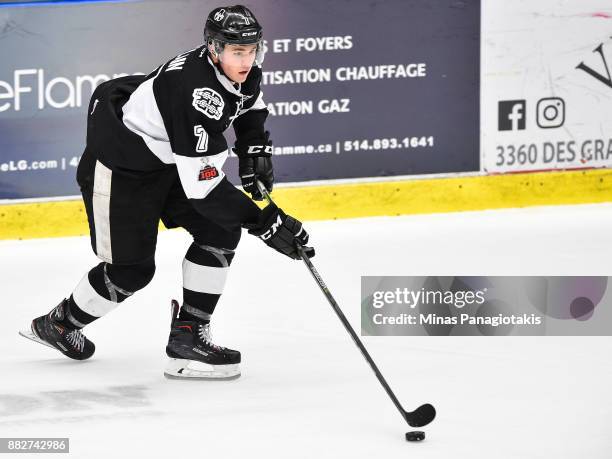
column 193, row 355
column 49, row 331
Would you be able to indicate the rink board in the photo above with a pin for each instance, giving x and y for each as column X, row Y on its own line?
column 342, row 105
column 67, row 218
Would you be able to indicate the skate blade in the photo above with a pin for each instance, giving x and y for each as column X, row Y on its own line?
column 191, row 369
column 29, row 334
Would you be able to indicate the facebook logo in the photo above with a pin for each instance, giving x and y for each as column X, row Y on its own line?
column 511, row 115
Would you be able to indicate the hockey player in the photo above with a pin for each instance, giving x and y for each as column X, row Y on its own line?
column 155, row 150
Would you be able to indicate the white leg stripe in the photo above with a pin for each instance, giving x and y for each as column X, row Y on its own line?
column 101, row 211
column 203, row 279
column 89, row 301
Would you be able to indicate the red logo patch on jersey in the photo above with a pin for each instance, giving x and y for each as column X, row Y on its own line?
column 208, row 173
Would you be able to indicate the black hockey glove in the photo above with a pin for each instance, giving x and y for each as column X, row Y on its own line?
column 255, row 163
column 282, row 232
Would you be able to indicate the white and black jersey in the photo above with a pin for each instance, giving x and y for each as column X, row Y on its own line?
column 176, row 117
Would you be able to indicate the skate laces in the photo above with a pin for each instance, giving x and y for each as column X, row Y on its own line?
column 206, row 335
column 76, row 339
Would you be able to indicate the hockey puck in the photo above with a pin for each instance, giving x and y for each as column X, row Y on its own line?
column 415, row 435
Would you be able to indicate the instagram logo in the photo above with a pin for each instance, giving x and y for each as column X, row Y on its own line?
column 551, row 112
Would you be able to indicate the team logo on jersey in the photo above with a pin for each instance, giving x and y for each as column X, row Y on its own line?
column 209, row 102
column 208, row 173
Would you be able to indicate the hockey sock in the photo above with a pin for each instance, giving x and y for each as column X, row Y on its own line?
column 205, row 271
column 103, row 288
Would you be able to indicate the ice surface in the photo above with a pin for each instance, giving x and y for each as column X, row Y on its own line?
column 305, row 390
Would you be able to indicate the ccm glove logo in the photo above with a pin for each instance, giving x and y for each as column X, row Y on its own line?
column 260, row 149
column 273, row 229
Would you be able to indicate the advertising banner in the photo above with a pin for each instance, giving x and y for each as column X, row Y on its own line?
column 547, row 90
column 354, row 89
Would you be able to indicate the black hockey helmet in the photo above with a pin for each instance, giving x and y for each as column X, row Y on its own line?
column 235, row 25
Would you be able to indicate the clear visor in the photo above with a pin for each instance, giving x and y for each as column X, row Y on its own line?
column 237, row 55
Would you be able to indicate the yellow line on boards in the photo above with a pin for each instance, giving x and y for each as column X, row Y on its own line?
column 327, row 202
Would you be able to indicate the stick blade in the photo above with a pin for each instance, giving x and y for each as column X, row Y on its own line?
column 422, row 416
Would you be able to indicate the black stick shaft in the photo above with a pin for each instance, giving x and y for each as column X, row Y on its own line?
column 351, row 331
column 341, row 316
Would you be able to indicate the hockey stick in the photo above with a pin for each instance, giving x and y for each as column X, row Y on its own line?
column 424, row 414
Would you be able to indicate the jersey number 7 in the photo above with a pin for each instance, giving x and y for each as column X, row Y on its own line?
column 202, row 136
